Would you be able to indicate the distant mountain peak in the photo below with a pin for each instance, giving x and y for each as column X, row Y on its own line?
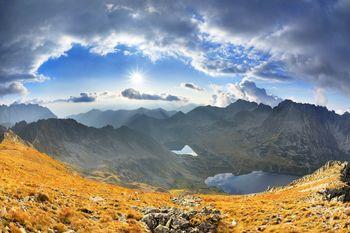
column 117, row 118
column 16, row 112
column 241, row 102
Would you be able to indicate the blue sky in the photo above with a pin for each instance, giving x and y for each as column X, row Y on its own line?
column 80, row 71
column 113, row 54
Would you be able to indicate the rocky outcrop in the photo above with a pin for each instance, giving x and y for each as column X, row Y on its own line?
column 187, row 200
column 164, row 220
column 340, row 189
column 9, row 135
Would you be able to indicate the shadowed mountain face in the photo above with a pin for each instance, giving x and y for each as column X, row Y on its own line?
column 9, row 115
column 290, row 138
column 98, row 118
column 115, row 155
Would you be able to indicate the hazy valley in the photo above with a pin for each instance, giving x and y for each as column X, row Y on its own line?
column 151, row 172
column 290, row 139
column 52, row 197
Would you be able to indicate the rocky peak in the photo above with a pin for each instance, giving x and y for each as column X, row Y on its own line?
column 242, row 105
column 10, row 136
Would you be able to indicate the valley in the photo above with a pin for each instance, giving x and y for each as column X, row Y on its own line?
column 154, row 147
column 38, row 193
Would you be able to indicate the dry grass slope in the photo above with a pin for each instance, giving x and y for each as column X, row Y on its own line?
column 38, row 193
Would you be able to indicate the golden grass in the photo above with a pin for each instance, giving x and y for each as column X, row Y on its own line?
column 40, row 193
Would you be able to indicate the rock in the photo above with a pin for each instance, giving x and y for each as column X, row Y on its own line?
column 161, row 229
column 162, row 218
column 339, row 194
column 86, row 211
column 195, row 230
column 150, row 221
column 178, row 220
column 345, row 175
column 96, row 199
column 188, row 200
column 41, row 197
column 234, row 223
column 169, row 223
column 150, row 210
column 181, row 223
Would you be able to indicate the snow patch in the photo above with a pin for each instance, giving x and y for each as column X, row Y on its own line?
column 186, row 150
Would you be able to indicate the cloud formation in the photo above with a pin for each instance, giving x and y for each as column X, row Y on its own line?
column 274, row 39
column 83, row 98
column 320, row 97
column 12, row 88
column 131, row 93
column 192, row 86
column 246, row 90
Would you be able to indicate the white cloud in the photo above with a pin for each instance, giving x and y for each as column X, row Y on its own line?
column 131, row 93
column 281, row 33
column 320, row 96
column 246, row 90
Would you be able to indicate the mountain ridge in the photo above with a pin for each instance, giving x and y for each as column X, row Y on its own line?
column 123, row 152
column 291, row 138
column 117, row 118
column 9, row 115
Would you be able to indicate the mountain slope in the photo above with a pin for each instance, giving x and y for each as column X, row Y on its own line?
column 39, row 193
column 291, row 138
column 98, row 118
column 115, row 155
column 9, row 115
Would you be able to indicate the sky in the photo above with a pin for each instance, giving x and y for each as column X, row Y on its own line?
column 72, row 56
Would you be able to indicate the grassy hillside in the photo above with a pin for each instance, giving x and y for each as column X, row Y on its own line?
column 40, row 193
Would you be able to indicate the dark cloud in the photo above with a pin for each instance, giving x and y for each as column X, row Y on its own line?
column 192, row 86
column 131, row 93
column 12, row 88
column 308, row 39
column 82, row 98
column 281, row 40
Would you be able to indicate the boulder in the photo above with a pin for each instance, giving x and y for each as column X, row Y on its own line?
column 178, row 220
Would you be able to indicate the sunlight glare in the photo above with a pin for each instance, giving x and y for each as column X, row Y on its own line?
column 136, row 77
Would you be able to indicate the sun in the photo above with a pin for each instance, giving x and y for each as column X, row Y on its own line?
column 136, row 77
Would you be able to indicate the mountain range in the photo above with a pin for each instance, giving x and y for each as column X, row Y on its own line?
column 13, row 113
column 41, row 194
column 113, row 155
column 291, row 138
column 118, row 118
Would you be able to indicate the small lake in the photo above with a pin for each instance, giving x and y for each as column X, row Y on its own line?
column 254, row 182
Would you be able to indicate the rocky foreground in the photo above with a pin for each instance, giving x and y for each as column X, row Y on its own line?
column 39, row 194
